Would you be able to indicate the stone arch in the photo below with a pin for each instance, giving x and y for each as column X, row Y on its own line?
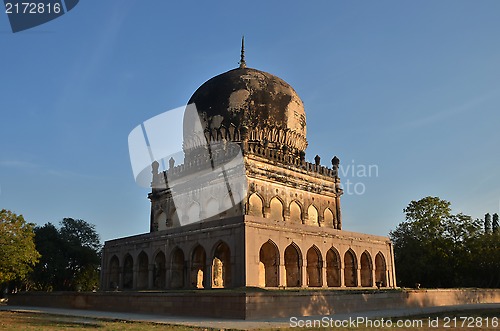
column 221, row 266
column 142, row 266
column 332, row 268
column 314, row 267
column 255, row 204
column 328, row 218
column 312, row 212
column 177, row 268
column 295, row 212
column 212, row 208
column 366, row 269
column 276, row 206
column 114, row 272
column 128, row 272
column 159, row 272
column 293, row 265
column 198, row 262
column 268, row 264
column 193, row 213
column 380, row 269
column 350, row 269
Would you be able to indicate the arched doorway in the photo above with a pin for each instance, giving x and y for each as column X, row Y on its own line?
column 268, row 264
column 128, row 272
column 177, row 268
column 314, row 266
column 366, row 270
column 198, row 262
column 221, row 266
column 159, row 273
column 350, row 269
column 332, row 268
column 380, row 270
column 293, row 264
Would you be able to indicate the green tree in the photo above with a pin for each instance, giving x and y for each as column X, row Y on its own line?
column 494, row 226
column 70, row 256
column 487, row 223
column 17, row 248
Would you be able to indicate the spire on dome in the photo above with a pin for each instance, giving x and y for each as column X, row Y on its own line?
column 243, row 64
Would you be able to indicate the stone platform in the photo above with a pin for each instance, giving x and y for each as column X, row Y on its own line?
column 256, row 304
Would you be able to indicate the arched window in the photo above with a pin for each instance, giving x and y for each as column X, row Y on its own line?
column 332, row 268
column 328, row 218
column 293, row 264
column 221, row 266
column 380, row 270
column 128, row 272
column 350, row 269
column 198, row 262
column 142, row 276
column 276, row 209
column 295, row 213
column 366, row 270
column 255, row 205
column 159, row 273
column 268, row 264
column 177, row 268
column 314, row 266
column 313, row 215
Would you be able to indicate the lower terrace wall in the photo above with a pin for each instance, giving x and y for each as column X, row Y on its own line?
column 254, row 305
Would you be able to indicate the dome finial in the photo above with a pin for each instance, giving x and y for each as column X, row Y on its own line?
column 243, row 64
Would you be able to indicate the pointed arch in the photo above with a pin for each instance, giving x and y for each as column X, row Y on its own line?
column 295, row 212
column 221, row 266
column 114, row 272
column 312, row 211
column 255, row 204
column 366, row 269
column 268, row 264
column 142, row 266
column 212, row 208
column 328, row 219
column 293, row 265
column 350, row 269
column 128, row 272
column 332, row 268
column 159, row 271
column 276, row 206
column 380, row 269
column 314, row 267
column 177, row 268
column 198, row 262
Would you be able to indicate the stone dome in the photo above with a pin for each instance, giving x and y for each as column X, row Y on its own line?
column 248, row 106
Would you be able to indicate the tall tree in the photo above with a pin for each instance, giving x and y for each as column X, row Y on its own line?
column 487, row 223
column 70, row 256
column 494, row 226
column 17, row 248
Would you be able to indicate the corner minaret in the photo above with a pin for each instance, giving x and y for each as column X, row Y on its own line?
column 243, row 64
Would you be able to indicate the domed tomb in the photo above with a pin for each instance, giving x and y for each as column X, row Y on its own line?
column 250, row 107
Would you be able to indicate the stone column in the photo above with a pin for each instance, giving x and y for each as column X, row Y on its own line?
column 135, row 275
column 358, row 276
column 342, row 279
column 373, row 277
column 324, row 282
column 151, row 268
column 207, row 275
column 282, row 274
column 303, row 275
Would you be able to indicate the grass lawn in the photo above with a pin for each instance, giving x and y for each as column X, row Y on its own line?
column 459, row 320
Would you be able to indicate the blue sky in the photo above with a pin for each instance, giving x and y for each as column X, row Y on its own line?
column 411, row 87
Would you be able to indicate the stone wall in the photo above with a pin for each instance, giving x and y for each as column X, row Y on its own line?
column 255, row 305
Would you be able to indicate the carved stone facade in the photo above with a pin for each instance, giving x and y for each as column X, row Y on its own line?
column 271, row 220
